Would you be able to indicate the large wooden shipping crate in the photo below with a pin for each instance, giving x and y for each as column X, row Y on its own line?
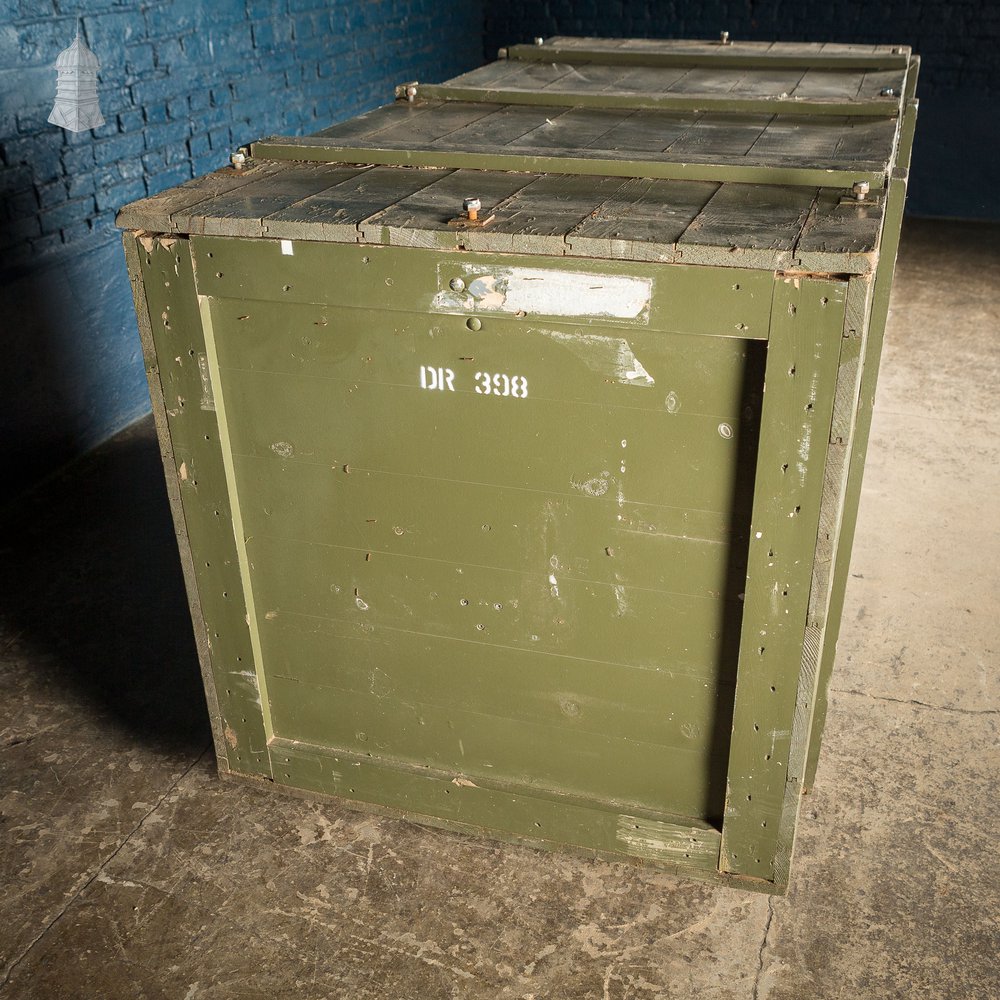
column 514, row 433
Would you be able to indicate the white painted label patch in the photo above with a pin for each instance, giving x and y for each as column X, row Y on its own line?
column 536, row 291
column 287, row 249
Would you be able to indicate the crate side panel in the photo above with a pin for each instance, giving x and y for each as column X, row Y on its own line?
column 194, row 434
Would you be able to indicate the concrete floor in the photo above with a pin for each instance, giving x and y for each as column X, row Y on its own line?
column 130, row 870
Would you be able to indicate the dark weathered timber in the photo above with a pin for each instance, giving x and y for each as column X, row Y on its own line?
column 616, row 218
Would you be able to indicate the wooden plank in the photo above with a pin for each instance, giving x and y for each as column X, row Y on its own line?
column 647, row 132
column 373, row 122
column 839, row 228
column 520, row 815
column 746, row 219
column 538, row 217
column 656, row 211
column 241, row 211
column 707, row 55
column 336, row 212
column 156, row 213
column 191, row 448
column 627, row 100
column 797, row 171
column 422, row 219
column 444, row 119
column 835, row 484
column 133, row 258
column 505, row 124
column 719, row 137
column 830, row 83
column 802, row 362
column 576, row 128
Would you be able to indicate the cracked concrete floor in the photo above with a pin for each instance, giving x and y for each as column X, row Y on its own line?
column 130, row 870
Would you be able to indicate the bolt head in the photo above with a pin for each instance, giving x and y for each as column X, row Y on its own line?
column 539, row 41
column 861, row 189
column 724, row 37
column 887, row 92
column 456, row 285
column 238, row 159
column 472, row 204
column 411, row 90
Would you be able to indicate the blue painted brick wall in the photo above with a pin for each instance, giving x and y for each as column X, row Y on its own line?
column 182, row 84
column 956, row 164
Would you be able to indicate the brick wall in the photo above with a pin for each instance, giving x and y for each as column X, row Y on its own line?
column 182, row 84
column 957, row 151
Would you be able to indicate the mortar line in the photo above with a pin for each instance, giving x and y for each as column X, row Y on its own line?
column 100, row 868
column 913, row 701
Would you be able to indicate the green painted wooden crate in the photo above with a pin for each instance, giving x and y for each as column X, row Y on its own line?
column 537, row 525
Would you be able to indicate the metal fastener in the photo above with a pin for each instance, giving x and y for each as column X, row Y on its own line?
column 456, row 285
column 411, row 91
column 724, row 38
column 502, row 53
column 861, row 189
column 238, row 159
column 472, row 207
column 539, row 41
column 887, row 92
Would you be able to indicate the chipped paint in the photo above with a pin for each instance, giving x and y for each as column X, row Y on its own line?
column 657, row 841
column 611, row 357
column 532, row 291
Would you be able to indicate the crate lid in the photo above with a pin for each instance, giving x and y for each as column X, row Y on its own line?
column 760, row 155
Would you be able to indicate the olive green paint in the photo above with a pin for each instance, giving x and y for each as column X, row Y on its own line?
column 595, row 608
column 862, row 431
column 190, row 439
column 670, row 102
column 721, row 55
column 822, row 174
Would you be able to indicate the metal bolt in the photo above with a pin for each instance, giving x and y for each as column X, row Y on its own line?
column 472, row 207
column 887, row 92
column 456, row 285
column 411, row 91
column 724, row 38
column 861, row 189
column 502, row 53
column 238, row 159
column 539, row 41
column 474, row 323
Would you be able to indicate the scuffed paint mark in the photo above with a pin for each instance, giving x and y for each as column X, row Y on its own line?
column 464, row 783
column 597, row 486
column 183, row 471
column 656, row 841
column 207, row 393
column 538, row 291
column 283, row 449
column 362, row 605
column 553, row 585
column 804, row 446
column 620, row 600
column 231, row 738
column 611, row 357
